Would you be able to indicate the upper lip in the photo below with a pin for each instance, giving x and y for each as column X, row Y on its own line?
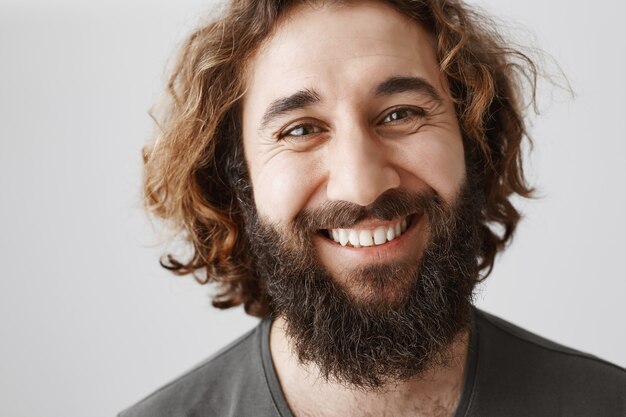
column 373, row 223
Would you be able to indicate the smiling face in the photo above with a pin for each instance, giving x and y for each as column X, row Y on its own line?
column 344, row 104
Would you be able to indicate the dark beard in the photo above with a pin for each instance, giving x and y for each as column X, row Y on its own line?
column 404, row 316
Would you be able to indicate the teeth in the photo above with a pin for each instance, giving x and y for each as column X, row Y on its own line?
column 353, row 238
column 364, row 237
column 343, row 237
column 391, row 233
column 380, row 236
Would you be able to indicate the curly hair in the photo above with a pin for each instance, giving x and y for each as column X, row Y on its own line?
column 186, row 169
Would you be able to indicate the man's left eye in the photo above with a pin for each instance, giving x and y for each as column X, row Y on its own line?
column 403, row 113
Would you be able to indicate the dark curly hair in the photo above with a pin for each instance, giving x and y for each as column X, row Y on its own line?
column 186, row 168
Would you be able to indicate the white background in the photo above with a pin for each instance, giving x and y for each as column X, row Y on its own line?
column 89, row 323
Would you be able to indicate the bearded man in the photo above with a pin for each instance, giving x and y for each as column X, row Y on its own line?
column 344, row 170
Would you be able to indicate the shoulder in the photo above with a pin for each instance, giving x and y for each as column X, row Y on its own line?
column 527, row 368
column 234, row 375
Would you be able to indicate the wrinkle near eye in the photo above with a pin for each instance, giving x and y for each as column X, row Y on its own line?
column 269, row 151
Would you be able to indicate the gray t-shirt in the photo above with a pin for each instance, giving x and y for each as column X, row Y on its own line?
column 510, row 372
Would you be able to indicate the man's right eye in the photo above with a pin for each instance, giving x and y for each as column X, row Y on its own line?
column 299, row 131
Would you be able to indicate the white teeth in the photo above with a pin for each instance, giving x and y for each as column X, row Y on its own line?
column 380, row 236
column 365, row 237
column 343, row 237
column 353, row 238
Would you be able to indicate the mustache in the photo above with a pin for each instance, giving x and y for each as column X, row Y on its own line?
column 390, row 205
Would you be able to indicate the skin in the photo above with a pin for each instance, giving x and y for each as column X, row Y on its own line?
column 352, row 145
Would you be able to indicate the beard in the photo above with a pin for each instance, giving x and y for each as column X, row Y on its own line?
column 384, row 322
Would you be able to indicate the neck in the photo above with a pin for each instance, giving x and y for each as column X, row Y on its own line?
column 435, row 393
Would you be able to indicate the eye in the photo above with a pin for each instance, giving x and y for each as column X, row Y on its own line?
column 401, row 121
column 299, row 131
column 403, row 114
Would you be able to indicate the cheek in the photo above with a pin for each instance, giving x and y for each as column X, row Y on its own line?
column 284, row 186
column 438, row 163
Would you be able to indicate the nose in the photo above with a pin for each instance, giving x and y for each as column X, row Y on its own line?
column 359, row 167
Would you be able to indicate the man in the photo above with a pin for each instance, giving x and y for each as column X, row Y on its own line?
column 339, row 168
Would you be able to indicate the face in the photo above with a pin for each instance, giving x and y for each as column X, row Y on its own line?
column 362, row 220
column 345, row 104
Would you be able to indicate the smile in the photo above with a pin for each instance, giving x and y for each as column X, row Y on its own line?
column 370, row 236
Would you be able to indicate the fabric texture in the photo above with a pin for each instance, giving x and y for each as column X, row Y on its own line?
column 510, row 372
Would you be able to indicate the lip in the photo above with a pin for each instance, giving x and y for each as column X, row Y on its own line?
column 389, row 251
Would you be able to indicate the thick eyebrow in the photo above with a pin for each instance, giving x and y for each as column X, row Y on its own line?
column 307, row 97
column 299, row 100
column 396, row 85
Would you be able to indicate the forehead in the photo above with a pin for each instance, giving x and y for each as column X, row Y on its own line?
column 339, row 50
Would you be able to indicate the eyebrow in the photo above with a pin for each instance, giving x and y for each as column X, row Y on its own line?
column 307, row 97
column 299, row 100
column 396, row 85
